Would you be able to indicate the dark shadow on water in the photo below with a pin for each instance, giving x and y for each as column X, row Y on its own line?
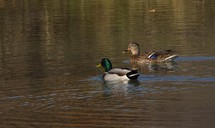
column 180, row 78
column 195, row 58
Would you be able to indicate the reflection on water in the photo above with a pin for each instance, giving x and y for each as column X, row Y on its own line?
column 111, row 88
column 49, row 51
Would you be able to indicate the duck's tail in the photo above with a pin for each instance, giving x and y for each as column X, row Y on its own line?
column 133, row 74
column 171, row 58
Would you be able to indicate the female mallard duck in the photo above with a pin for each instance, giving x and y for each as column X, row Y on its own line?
column 152, row 56
column 117, row 74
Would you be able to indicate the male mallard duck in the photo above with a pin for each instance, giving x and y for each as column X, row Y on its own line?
column 117, row 74
column 151, row 56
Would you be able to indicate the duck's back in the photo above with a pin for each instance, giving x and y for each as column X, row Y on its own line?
column 158, row 56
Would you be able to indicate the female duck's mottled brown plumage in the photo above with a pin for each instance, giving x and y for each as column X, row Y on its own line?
column 151, row 56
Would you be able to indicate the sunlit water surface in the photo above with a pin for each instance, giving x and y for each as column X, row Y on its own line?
column 49, row 51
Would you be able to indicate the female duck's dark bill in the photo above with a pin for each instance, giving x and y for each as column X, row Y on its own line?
column 126, row 51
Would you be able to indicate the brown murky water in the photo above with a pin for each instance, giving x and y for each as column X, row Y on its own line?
column 49, row 51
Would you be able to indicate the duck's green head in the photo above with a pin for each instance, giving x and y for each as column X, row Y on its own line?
column 106, row 64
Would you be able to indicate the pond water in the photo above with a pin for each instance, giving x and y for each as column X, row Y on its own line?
column 49, row 51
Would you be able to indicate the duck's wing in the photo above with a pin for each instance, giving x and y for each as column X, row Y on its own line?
column 164, row 54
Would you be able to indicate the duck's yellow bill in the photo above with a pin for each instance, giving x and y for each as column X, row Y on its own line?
column 99, row 65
